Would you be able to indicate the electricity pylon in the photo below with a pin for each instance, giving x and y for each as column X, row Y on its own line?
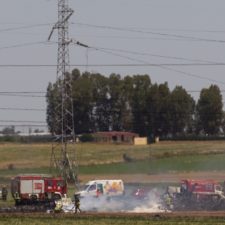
column 63, row 155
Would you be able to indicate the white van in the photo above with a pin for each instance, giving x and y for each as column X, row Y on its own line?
column 97, row 188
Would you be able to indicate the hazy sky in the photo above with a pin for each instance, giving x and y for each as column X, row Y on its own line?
column 134, row 32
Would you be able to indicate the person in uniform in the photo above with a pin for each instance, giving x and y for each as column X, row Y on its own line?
column 58, row 206
column 17, row 198
column 77, row 203
column 168, row 201
column 4, row 193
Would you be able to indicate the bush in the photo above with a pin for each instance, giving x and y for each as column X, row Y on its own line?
column 11, row 166
column 86, row 138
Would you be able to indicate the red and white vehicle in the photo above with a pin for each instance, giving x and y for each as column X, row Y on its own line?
column 37, row 188
column 198, row 194
column 201, row 187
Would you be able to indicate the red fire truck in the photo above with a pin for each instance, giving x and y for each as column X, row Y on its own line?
column 201, row 187
column 36, row 188
column 199, row 194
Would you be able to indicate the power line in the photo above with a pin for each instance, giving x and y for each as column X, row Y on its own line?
column 187, row 38
column 22, row 92
column 30, row 93
column 119, row 65
column 192, row 75
column 22, row 121
column 22, row 95
column 23, row 125
column 143, row 29
column 25, row 27
column 164, row 67
column 21, row 109
column 141, row 63
column 155, row 29
column 203, row 62
column 131, row 38
column 26, row 44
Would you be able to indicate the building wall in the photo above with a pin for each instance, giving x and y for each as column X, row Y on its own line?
column 140, row 141
column 115, row 137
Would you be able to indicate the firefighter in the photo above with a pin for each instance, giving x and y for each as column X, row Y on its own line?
column 168, row 201
column 98, row 192
column 4, row 193
column 17, row 198
column 77, row 203
column 58, row 206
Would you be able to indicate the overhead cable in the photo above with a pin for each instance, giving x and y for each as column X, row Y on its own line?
column 188, row 38
column 164, row 67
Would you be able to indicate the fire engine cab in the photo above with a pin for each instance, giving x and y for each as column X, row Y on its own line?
column 34, row 188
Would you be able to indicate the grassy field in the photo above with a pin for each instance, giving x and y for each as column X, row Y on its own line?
column 108, row 159
column 106, row 220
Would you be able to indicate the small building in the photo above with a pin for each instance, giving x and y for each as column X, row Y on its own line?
column 115, row 137
column 140, row 141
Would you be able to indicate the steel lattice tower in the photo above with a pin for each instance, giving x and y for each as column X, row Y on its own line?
column 63, row 155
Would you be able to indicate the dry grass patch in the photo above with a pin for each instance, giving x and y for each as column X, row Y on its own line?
column 38, row 155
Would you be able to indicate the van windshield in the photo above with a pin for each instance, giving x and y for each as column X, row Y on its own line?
column 91, row 187
column 86, row 187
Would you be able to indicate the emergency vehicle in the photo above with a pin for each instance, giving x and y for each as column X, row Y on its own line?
column 201, row 187
column 36, row 188
column 97, row 188
column 198, row 194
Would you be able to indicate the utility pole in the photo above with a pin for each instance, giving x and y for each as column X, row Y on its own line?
column 63, row 155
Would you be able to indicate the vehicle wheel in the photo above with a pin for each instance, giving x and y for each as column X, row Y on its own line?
column 56, row 197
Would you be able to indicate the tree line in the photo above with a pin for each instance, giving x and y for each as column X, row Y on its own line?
column 135, row 104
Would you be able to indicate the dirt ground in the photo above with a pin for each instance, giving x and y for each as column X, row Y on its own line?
column 89, row 215
column 158, row 178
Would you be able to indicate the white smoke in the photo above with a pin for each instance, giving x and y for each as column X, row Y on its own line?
column 151, row 202
column 128, row 203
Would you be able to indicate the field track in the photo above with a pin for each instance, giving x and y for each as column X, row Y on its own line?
column 188, row 214
column 172, row 177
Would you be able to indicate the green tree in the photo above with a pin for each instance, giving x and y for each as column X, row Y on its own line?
column 112, row 103
column 181, row 108
column 112, row 108
column 126, row 96
column 116, row 101
column 158, row 109
column 53, row 99
column 82, row 102
column 140, row 89
column 209, row 111
column 101, row 107
column 9, row 130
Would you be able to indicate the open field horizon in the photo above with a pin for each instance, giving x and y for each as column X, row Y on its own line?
column 171, row 158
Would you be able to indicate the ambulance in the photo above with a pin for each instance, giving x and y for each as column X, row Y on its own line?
column 98, row 188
